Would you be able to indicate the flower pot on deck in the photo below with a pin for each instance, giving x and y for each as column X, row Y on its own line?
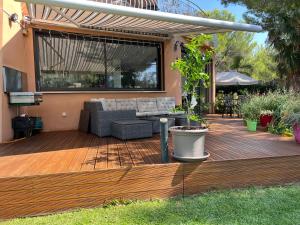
column 189, row 143
column 265, row 120
column 297, row 133
column 251, row 125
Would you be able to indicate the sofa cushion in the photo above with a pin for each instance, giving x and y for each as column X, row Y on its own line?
column 126, row 104
column 146, row 104
column 141, row 114
column 109, row 104
column 158, row 113
column 165, row 103
column 176, row 113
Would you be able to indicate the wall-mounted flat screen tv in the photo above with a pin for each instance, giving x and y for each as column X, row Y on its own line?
column 14, row 80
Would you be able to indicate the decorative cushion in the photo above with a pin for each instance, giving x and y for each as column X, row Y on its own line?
column 126, row 104
column 165, row 103
column 146, row 104
column 109, row 104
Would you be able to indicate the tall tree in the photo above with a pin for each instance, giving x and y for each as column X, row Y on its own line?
column 232, row 47
column 263, row 64
column 282, row 21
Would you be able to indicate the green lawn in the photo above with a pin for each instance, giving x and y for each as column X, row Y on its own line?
column 277, row 205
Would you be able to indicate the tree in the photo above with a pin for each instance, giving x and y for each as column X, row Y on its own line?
column 232, row 47
column 282, row 21
column 192, row 67
column 263, row 64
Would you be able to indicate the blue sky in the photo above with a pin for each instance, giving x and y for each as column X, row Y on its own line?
column 236, row 10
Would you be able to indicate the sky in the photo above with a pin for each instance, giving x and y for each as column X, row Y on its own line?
column 236, row 10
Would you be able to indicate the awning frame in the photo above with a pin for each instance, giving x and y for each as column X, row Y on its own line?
column 211, row 25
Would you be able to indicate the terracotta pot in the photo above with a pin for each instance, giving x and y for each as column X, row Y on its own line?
column 265, row 120
column 297, row 132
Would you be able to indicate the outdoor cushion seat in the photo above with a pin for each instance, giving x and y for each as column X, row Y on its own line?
column 157, row 113
column 141, row 114
column 177, row 113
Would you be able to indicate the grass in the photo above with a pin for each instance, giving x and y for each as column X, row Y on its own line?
column 274, row 206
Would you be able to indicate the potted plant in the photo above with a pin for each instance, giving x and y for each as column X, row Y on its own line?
column 189, row 140
column 251, row 112
column 291, row 116
column 265, row 118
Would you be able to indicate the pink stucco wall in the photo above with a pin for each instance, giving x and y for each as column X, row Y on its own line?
column 17, row 52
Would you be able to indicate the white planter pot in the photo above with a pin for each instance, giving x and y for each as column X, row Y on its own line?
column 189, row 144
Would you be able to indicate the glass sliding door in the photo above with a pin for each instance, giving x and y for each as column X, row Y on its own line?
column 68, row 62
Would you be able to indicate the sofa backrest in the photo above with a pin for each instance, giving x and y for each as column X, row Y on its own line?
column 146, row 105
column 109, row 104
column 126, row 104
column 165, row 103
column 159, row 104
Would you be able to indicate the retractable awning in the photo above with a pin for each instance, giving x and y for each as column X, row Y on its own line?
column 95, row 14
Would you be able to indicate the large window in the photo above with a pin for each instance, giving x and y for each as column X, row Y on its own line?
column 76, row 62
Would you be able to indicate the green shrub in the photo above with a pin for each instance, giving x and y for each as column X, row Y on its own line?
column 291, row 113
column 251, row 108
column 283, row 104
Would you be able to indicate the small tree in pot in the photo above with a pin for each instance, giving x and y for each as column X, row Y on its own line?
column 189, row 140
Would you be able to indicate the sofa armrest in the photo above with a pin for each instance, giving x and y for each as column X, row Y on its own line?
column 101, row 120
column 93, row 106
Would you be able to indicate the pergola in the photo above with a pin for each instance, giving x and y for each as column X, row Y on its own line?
column 126, row 17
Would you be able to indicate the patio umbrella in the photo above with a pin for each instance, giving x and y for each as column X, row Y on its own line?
column 234, row 78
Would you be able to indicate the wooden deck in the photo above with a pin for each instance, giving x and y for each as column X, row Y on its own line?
column 64, row 170
column 70, row 151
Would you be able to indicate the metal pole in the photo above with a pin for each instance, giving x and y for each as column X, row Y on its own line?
column 164, row 140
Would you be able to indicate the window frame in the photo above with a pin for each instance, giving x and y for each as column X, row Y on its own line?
column 159, row 66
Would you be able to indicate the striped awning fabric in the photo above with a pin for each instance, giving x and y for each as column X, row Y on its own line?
column 125, row 18
column 79, row 53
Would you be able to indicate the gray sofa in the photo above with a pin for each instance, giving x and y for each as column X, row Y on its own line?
column 143, row 106
column 104, row 111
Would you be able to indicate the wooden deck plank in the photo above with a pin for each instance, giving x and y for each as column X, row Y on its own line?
column 125, row 157
column 90, row 159
column 102, row 154
column 56, row 161
column 113, row 157
column 78, row 152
